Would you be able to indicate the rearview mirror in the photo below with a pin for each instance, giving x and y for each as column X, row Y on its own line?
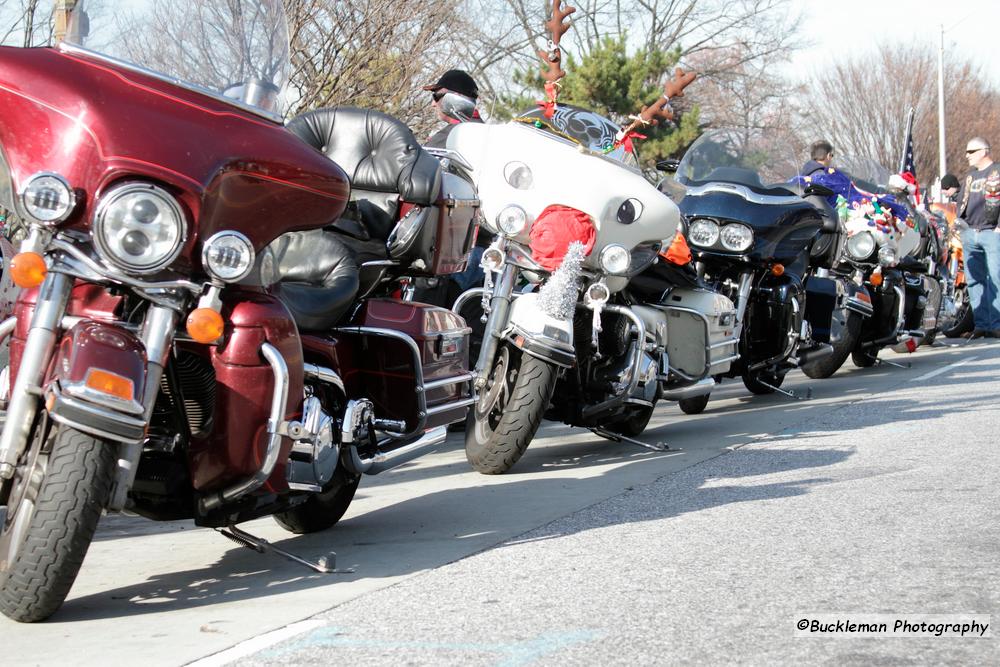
column 669, row 165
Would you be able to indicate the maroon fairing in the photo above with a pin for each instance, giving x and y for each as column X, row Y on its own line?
column 96, row 123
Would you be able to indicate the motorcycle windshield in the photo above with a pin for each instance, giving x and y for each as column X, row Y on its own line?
column 735, row 156
column 866, row 173
column 582, row 127
column 234, row 50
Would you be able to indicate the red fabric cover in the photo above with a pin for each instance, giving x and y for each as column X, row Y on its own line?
column 554, row 229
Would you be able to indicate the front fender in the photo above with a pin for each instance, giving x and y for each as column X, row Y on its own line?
column 539, row 334
column 97, row 381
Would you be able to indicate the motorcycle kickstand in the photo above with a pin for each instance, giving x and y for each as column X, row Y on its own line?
column 878, row 362
column 789, row 394
column 617, row 437
column 325, row 565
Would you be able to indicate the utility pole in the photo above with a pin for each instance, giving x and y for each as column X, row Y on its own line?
column 60, row 15
column 942, row 160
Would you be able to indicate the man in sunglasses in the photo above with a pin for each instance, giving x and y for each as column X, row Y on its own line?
column 454, row 98
column 980, row 208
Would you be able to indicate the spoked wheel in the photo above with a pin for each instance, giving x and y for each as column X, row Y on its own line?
column 963, row 321
column 52, row 507
column 695, row 405
column 509, row 410
column 755, row 381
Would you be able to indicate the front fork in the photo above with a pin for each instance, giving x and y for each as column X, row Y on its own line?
column 499, row 315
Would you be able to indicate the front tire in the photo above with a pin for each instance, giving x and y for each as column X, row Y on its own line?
column 53, row 505
column 827, row 366
column 509, row 411
column 324, row 509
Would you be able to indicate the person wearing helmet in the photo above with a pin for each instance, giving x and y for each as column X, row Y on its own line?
column 454, row 97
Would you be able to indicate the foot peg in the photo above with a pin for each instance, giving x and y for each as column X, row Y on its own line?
column 617, row 437
column 325, row 565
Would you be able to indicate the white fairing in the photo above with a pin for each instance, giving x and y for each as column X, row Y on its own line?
column 563, row 174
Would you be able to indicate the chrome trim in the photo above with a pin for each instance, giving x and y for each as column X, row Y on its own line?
column 7, row 327
column 7, row 198
column 461, row 403
column 275, row 420
column 496, row 323
column 449, row 154
column 709, row 346
column 81, row 391
column 446, row 382
column 386, row 460
column 38, row 351
column 640, row 342
column 324, row 374
column 699, row 388
column 100, row 273
column 744, row 192
column 187, row 85
column 100, row 411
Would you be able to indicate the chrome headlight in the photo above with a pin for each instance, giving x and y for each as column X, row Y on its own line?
column 736, row 237
column 615, row 259
column 887, row 255
column 861, row 246
column 228, row 256
column 139, row 227
column 512, row 220
column 518, row 175
column 703, row 232
column 48, row 198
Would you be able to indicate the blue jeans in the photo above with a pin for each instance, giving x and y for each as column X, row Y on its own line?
column 473, row 275
column 981, row 250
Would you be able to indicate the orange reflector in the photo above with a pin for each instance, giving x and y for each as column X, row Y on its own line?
column 876, row 279
column 205, row 325
column 778, row 270
column 28, row 269
column 111, row 384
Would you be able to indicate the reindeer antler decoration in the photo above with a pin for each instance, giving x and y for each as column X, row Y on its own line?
column 659, row 110
column 557, row 27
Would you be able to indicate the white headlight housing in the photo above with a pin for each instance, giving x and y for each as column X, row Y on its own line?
column 48, row 198
column 615, row 259
column 887, row 255
column 736, row 237
column 703, row 232
column 512, row 220
column 228, row 256
column 861, row 245
column 518, row 175
column 139, row 227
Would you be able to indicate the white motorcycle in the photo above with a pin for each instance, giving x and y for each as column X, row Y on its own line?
column 566, row 338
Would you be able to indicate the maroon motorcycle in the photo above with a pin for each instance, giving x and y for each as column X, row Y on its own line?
column 205, row 327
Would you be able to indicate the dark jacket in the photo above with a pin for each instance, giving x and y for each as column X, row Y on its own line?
column 811, row 167
column 975, row 208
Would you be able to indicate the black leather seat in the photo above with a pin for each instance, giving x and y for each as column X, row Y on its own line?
column 382, row 158
column 315, row 276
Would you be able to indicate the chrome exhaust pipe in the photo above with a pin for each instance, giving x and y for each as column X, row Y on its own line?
column 393, row 458
column 700, row 388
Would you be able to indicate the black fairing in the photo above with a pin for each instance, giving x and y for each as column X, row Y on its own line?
column 782, row 232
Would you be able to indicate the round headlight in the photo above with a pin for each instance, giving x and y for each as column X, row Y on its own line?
column 228, row 256
column 139, row 227
column 736, row 237
column 887, row 255
column 615, row 259
column 48, row 198
column 703, row 232
column 861, row 246
column 518, row 175
column 512, row 220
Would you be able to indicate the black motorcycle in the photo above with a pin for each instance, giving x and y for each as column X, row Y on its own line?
column 773, row 250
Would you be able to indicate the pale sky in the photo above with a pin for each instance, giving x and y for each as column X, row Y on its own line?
column 972, row 28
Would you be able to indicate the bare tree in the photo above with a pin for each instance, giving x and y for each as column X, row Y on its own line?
column 861, row 103
column 25, row 22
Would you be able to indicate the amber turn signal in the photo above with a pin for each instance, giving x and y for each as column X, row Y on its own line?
column 28, row 269
column 205, row 325
column 777, row 269
column 876, row 279
column 111, row 384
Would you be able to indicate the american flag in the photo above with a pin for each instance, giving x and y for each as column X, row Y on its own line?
column 906, row 163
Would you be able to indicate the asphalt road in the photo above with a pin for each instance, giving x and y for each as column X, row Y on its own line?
column 879, row 495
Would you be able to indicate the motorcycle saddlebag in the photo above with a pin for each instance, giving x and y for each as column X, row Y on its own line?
column 436, row 240
column 380, row 367
column 688, row 310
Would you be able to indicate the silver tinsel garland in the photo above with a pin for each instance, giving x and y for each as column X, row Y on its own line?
column 558, row 297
